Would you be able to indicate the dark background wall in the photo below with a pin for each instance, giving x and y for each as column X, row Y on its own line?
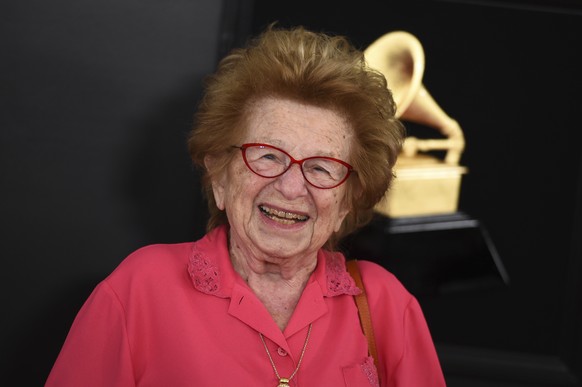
column 509, row 74
column 96, row 99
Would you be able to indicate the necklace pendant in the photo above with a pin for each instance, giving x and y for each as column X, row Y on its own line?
column 283, row 382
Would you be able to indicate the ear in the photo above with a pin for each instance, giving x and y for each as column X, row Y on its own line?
column 217, row 183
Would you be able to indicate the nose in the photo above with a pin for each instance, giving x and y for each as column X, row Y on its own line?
column 292, row 183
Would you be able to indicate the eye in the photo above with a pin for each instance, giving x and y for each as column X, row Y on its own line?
column 328, row 169
column 272, row 156
column 318, row 169
column 269, row 156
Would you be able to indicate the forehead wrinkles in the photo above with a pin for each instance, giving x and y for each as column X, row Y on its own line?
column 316, row 131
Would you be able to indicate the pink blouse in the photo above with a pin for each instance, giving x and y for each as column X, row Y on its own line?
column 179, row 315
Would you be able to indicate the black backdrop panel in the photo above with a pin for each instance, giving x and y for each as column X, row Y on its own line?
column 96, row 102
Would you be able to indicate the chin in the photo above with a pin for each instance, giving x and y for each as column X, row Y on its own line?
column 281, row 240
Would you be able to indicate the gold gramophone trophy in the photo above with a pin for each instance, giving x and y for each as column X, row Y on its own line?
column 424, row 185
column 419, row 234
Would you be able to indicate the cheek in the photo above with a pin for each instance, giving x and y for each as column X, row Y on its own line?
column 243, row 189
column 236, row 184
column 338, row 199
column 340, row 205
column 334, row 207
column 235, row 187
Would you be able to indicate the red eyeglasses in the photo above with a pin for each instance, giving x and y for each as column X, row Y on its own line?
column 319, row 171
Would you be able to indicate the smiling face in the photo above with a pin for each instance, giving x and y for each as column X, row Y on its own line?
column 285, row 217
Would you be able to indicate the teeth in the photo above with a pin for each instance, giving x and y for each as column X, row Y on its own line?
column 280, row 215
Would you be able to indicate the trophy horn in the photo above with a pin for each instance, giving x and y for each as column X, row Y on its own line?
column 399, row 56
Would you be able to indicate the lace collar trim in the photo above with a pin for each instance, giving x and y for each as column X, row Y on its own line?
column 211, row 272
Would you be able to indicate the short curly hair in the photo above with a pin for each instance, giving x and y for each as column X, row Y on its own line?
column 312, row 68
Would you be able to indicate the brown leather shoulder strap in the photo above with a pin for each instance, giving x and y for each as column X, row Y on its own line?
column 363, row 309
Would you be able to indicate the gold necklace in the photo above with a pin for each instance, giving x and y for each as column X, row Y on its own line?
column 284, row 382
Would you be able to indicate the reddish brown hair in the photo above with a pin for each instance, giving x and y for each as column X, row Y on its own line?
column 311, row 68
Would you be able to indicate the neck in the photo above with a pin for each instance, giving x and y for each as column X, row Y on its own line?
column 277, row 282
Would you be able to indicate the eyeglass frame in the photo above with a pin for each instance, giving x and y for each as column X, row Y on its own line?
column 245, row 146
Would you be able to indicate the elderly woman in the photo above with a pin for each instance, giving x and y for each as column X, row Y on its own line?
column 297, row 139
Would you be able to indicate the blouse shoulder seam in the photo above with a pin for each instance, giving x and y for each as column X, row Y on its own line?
column 118, row 301
column 405, row 332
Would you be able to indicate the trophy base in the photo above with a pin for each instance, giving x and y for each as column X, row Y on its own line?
column 431, row 255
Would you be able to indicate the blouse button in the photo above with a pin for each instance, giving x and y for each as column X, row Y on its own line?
column 281, row 352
